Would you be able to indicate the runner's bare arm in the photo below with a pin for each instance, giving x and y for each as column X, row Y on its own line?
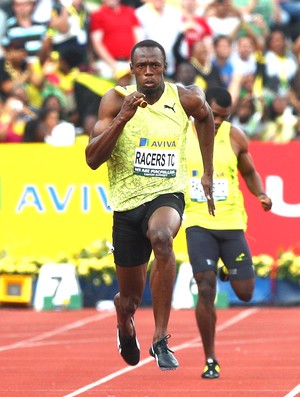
column 193, row 101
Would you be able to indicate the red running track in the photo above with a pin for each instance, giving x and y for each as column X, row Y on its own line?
column 73, row 353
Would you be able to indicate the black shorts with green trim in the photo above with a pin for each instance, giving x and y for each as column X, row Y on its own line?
column 131, row 245
column 206, row 247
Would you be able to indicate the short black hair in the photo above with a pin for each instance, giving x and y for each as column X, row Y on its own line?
column 220, row 95
column 149, row 44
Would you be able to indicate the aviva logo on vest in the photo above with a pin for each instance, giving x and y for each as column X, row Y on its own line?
column 158, row 143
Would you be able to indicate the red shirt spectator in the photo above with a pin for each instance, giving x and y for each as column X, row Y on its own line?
column 113, row 31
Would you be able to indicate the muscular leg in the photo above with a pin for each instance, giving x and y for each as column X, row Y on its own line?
column 205, row 311
column 163, row 226
column 131, row 283
column 243, row 288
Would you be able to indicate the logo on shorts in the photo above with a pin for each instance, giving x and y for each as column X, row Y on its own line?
column 240, row 258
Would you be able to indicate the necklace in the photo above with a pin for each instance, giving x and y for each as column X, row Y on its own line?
column 14, row 74
column 203, row 69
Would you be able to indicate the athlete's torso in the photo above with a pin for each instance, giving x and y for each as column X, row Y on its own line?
column 149, row 157
column 230, row 212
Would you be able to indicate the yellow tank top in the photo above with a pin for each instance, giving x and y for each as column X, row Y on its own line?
column 149, row 158
column 230, row 212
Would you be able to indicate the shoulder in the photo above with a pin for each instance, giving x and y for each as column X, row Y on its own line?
column 238, row 139
column 191, row 98
column 111, row 103
column 190, row 91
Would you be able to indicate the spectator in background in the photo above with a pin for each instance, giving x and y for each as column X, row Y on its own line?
column 223, row 18
column 49, row 128
column 262, row 16
column 269, row 10
column 22, row 27
column 13, row 119
column 59, row 77
column 247, row 60
column 16, row 70
column 114, row 30
column 244, row 56
column 68, row 27
column 33, row 131
column 282, row 125
column 249, row 118
column 208, row 75
column 281, row 65
column 13, row 66
column 222, row 46
column 163, row 23
column 196, row 27
column 185, row 74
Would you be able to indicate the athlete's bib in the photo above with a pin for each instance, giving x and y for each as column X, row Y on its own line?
column 220, row 190
column 157, row 157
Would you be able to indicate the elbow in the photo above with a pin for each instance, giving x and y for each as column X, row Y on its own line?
column 91, row 160
column 92, row 165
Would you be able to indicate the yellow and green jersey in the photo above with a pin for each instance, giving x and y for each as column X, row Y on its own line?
column 149, row 158
column 230, row 212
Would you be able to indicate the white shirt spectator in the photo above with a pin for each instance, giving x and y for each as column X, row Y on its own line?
column 163, row 23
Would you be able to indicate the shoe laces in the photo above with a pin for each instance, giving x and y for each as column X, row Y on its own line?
column 162, row 344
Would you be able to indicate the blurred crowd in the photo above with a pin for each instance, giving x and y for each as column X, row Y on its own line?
column 59, row 57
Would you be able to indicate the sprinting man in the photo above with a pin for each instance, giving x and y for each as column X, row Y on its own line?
column 221, row 237
column 145, row 153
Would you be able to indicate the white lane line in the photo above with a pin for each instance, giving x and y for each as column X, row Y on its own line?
column 226, row 324
column 60, row 330
column 295, row 392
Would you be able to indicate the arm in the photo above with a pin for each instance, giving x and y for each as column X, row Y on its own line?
column 247, row 168
column 114, row 112
column 193, row 101
column 60, row 20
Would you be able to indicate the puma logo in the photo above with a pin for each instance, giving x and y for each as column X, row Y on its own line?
column 170, row 107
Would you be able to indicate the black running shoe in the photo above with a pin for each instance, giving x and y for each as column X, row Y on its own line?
column 223, row 273
column 164, row 356
column 211, row 369
column 129, row 347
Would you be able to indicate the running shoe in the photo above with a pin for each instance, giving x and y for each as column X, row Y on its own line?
column 211, row 369
column 129, row 347
column 163, row 355
column 223, row 273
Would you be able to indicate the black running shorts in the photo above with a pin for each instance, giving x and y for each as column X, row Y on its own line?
column 131, row 245
column 206, row 246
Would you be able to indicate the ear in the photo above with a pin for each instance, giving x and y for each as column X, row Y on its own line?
column 131, row 68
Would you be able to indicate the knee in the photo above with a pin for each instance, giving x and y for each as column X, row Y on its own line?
column 243, row 289
column 127, row 304
column 161, row 241
column 206, row 292
column 245, row 296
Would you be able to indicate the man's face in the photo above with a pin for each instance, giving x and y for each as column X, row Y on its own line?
column 23, row 8
column 220, row 114
column 148, row 66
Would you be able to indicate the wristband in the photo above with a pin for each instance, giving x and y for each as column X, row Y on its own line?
column 262, row 195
